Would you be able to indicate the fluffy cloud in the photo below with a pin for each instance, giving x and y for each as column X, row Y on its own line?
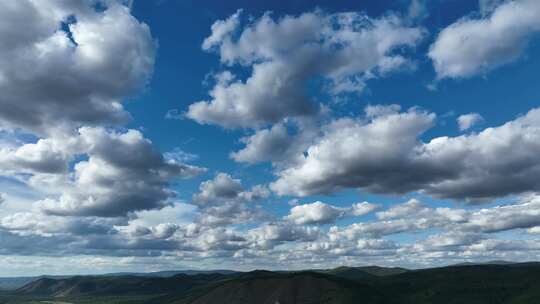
column 488, row 6
column 14, row 244
column 272, row 144
column 450, row 241
column 474, row 46
column 270, row 235
column 382, row 153
column 352, row 153
column 48, row 71
column 411, row 207
column 178, row 213
column 221, row 30
column 321, row 213
column 123, row 173
column 363, row 208
column 502, row 218
column 222, row 187
column 226, row 188
column 228, row 213
column 496, row 162
column 26, row 223
column 65, row 68
column 317, row 212
column 471, row 247
column 282, row 144
column 49, row 155
column 467, row 121
column 223, row 201
column 284, row 54
column 413, row 216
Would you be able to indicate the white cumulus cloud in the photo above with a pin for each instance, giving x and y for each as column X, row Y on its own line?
column 472, row 46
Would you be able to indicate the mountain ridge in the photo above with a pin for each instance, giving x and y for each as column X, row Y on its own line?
column 515, row 283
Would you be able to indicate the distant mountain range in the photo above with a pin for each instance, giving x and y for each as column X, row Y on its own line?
column 169, row 273
column 12, row 283
column 485, row 263
column 494, row 282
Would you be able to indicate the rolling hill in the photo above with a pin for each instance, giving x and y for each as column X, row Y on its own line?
column 12, row 283
column 298, row 287
column 365, row 272
column 79, row 286
column 471, row 284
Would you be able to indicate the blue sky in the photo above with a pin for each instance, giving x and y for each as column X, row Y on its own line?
column 168, row 134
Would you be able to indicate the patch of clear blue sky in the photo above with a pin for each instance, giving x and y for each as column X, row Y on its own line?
column 180, row 26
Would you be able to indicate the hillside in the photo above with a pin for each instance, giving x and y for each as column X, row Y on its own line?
column 470, row 284
column 476, row 284
column 299, row 288
column 115, row 285
column 515, row 283
column 14, row 283
column 366, row 272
